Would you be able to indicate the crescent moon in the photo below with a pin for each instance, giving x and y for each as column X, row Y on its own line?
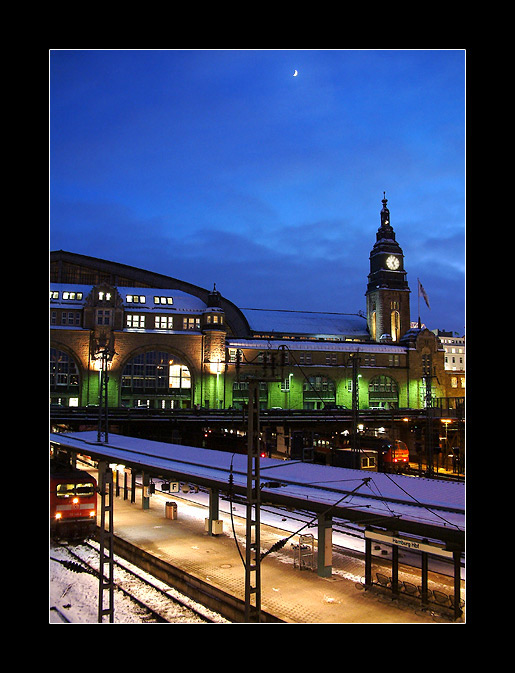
column 295, row 73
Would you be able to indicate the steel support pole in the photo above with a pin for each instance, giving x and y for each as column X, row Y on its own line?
column 106, row 583
column 424, row 586
column 355, row 448
column 133, row 486
column 252, row 535
column 395, row 570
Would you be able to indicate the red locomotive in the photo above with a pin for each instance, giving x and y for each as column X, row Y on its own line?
column 73, row 502
column 397, row 454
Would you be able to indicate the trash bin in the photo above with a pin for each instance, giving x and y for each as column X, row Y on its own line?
column 171, row 510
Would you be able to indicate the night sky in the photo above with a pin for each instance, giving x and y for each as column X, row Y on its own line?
column 223, row 167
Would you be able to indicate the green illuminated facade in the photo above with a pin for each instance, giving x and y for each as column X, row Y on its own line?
column 174, row 345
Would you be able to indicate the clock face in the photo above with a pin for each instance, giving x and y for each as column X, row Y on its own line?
column 392, row 262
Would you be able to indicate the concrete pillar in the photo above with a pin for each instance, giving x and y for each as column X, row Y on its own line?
column 325, row 545
column 368, row 562
column 213, row 509
column 145, row 499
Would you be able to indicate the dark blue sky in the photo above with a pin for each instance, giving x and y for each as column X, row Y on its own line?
column 222, row 167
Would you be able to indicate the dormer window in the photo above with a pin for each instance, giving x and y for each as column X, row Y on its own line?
column 136, row 299
column 102, row 296
column 163, row 300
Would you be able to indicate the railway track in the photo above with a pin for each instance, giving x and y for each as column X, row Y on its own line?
column 158, row 602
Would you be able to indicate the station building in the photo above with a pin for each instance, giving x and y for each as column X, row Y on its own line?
column 174, row 345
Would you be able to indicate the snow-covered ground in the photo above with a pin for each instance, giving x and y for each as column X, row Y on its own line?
column 74, row 595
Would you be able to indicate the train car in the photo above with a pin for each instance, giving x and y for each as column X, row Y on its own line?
column 397, row 455
column 73, row 503
column 378, row 454
column 364, row 459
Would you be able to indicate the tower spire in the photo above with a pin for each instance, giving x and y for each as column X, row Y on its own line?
column 385, row 230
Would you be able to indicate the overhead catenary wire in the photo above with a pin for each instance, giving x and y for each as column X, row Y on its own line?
column 421, row 504
column 280, row 544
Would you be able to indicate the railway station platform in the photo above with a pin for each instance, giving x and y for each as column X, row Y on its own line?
column 292, row 595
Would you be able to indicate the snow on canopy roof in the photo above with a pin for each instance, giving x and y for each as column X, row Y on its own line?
column 425, row 502
column 305, row 322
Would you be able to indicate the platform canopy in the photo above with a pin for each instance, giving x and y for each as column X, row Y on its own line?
column 430, row 508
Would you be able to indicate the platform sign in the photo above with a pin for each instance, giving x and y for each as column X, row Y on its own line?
column 409, row 543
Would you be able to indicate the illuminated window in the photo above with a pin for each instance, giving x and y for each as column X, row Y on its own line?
column 426, row 365
column 179, row 377
column 68, row 490
column 163, row 322
column 70, row 295
column 155, row 372
column 395, row 325
column 191, row 323
column 136, row 299
column 135, row 321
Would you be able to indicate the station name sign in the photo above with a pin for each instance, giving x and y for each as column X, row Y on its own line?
column 408, row 543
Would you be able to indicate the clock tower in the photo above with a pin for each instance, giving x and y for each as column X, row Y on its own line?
column 388, row 311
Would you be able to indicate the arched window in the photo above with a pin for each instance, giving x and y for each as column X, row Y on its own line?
column 156, row 378
column 318, row 391
column 63, row 371
column 395, row 325
column 373, row 326
column 64, row 379
column 383, row 393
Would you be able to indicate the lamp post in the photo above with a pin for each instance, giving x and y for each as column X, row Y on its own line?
column 103, row 354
